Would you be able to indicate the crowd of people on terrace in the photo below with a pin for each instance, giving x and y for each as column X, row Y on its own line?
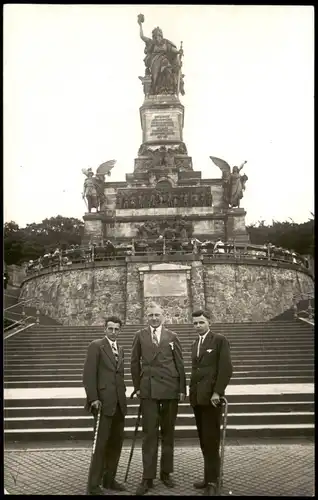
column 108, row 250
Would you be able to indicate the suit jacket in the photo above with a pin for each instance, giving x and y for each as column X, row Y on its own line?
column 103, row 378
column 212, row 371
column 158, row 371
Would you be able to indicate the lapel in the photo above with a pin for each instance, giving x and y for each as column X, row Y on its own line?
column 194, row 350
column 105, row 347
column 154, row 350
column 209, row 343
column 120, row 355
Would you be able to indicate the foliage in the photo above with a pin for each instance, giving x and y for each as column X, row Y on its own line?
column 34, row 240
column 288, row 234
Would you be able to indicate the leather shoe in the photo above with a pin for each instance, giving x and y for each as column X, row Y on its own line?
column 200, row 485
column 167, row 480
column 97, row 491
column 210, row 490
column 115, row 486
column 144, row 486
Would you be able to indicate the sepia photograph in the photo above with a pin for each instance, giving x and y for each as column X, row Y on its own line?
column 158, row 270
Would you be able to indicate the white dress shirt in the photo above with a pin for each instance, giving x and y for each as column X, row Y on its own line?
column 201, row 340
column 158, row 332
column 112, row 343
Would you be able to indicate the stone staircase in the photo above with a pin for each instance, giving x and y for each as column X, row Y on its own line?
column 270, row 392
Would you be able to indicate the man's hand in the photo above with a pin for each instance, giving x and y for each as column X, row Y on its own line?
column 182, row 397
column 138, row 393
column 215, row 399
column 96, row 405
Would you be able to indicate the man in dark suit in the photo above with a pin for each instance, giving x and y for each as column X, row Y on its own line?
column 211, row 373
column 103, row 379
column 159, row 378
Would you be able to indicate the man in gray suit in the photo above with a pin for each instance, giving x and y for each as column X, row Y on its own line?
column 103, row 379
column 159, row 379
column 211, row 373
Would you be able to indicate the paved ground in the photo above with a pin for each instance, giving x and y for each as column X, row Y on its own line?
column 249, row 470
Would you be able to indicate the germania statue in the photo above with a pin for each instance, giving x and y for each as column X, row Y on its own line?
column 163, row 62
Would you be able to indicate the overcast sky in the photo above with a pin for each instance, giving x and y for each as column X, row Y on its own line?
column 72, row 98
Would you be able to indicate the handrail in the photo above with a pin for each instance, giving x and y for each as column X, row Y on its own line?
column 18, row 331
column 18, row 322
column 21, row 303
column 309, row 311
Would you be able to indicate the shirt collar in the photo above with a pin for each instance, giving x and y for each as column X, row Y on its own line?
column 204, row 336
column 111, row 341
column 158, row 329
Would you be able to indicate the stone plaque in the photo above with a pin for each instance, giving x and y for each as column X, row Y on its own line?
column 161, row 125
column 164, row 284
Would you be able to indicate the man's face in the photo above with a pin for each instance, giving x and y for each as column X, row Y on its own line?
column 112, row 330
column 201, row 324
column 155, row 317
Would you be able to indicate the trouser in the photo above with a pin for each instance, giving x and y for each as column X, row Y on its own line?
column 208, row 421
column 108, row 447
column 154, row 413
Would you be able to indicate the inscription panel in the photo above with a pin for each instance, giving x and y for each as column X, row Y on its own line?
column 162, row 125
column 165, row 284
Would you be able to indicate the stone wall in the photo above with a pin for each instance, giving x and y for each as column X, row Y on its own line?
column 233, row 292
column 81, row 296
column 238, row 292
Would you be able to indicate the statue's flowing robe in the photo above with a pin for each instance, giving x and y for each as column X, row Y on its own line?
column 161, row 60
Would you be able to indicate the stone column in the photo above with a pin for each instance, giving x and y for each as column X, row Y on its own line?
column 197, row 286
column 134, row 295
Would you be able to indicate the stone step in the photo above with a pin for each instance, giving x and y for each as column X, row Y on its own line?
column 182, row 419
column 79, row 343
column 184, row 408
column 188, row 431
column 49, row 398
column 233, row 334
column 270, row 347
column 266, row 364
column 300, row 379
column 33, row 371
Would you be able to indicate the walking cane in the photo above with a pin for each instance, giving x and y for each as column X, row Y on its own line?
column 134, row 438
column 93, row 449
column 224, row 407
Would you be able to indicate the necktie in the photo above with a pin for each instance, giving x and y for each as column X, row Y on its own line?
column 154, row 337
column 114, row 348
column 199, row 346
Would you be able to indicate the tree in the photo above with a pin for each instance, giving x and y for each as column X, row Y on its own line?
column 288, row 234
column 34, row 240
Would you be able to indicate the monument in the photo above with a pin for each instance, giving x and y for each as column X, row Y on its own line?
column 164, row 194
column 158, row 226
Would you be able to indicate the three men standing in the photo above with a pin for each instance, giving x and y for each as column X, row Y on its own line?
column 211, row 373
column 103, row 379
column 159, row 379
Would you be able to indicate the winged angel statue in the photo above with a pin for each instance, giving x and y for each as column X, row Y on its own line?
column 93, row 190
column 233, row 182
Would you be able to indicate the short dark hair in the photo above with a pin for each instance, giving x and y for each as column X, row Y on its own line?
column 114, row 319
column 201, row 312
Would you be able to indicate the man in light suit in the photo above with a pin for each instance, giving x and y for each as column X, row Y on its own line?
column 103, row 379
column 211, row 373
column 159, row 378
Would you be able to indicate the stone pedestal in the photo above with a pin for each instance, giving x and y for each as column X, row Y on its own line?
column 93, row 229
column 162, row 120
column 235, row 229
